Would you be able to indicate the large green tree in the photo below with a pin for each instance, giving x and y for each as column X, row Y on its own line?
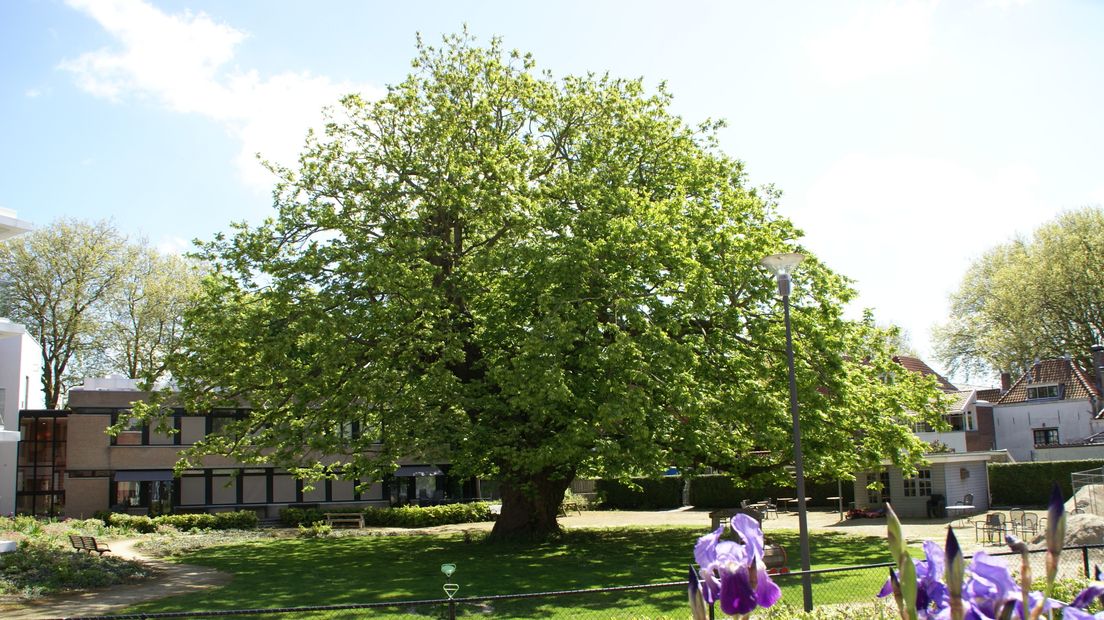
column 530, row 279
column 95, row 302
column 1029, row 299
column 56, row 282
column 145, row 312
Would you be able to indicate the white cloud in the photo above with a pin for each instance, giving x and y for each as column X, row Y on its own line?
column 880, row 39
column 183, row 62
column 907, row 227
column 32, row 93
column 173, row 245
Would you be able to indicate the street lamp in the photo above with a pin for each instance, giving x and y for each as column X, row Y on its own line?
column 781, row 265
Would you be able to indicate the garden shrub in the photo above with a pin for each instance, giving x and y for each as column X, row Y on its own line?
column 318, row 530
column 427, row 516
column 718, row 491
column 1029, row 484
column 187, row 522
column 292, row 517
column 238, row 520
column 138, row 523
column 652, row 493
column 37, row 569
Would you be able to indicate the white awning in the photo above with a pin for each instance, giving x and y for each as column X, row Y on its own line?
column 143, row 475
column 418, row 470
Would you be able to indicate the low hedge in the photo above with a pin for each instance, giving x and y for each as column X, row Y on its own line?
column 651, row 494
column 428, row 516
column 1029, row 484
column 724, row 492
column 240, row 520
column 404, row 516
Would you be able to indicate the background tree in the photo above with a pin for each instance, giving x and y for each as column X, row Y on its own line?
column 529, row 279
column 56, row 281
column 1030, row 299
column 145, row 315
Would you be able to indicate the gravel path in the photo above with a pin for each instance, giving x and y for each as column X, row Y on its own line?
column 174, row 579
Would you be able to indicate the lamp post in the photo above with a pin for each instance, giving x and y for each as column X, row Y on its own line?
column 781, row 265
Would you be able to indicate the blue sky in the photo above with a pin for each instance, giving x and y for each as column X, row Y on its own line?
column 907, row 137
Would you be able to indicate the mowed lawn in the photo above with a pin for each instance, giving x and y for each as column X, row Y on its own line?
column 369, row 569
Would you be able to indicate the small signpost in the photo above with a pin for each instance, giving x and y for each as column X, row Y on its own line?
column 449, row 587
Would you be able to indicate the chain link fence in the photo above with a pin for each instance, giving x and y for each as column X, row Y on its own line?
column 845, row 586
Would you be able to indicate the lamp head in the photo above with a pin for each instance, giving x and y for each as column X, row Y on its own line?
column 780, row 264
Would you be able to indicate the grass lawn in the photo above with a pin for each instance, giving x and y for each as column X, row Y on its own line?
column 365, row 569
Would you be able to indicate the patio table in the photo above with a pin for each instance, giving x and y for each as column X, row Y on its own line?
column 962, row 511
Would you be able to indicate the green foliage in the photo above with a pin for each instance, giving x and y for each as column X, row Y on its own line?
column 559, row 276
column 427, row 516
column 643, row 494
column 1029, row 484
column 1029, row 299
column 317, row 530
column 37, row 568
column 239, row 520
column 292, row 517
column 137, row 523
column 725, row 492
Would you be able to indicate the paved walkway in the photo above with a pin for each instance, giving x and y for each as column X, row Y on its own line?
column 173, row 579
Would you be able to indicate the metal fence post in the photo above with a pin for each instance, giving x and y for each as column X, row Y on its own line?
column 1085, row 558
column 452, row 610
column 711, row 610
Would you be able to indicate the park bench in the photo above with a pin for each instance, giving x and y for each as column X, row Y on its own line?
column 355, row 519
column 89, row 544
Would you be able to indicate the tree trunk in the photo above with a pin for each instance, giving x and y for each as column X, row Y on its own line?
column 529, row 509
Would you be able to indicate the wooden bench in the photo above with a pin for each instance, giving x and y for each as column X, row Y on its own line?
column 355, row 519
column 89, row 544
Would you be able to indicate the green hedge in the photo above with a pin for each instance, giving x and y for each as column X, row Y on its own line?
column 405, row 516
column 240, row 520
column 653, row 494
column 724, row 492
column 1029, row 484
column 428, row 516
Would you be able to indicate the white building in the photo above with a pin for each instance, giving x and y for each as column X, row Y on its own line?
column 20, row 380
column 1052, row 412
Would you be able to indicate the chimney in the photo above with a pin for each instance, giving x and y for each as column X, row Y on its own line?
column 1098, row 365
column 1006, row 382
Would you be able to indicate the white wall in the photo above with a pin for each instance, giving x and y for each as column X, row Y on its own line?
column 1014, row 424
column 1072, row 453
column 955, row 440
column 21, row 382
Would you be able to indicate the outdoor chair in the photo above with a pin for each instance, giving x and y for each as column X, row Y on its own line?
column 967, row 500
column 994, row 527
column 1016, row 516
column 770, row 507
column 1027, row 527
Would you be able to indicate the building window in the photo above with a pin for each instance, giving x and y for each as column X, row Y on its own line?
column 920, row 486
column 1046, row 436
column 878, row 496
column 132, row 434
column 1042, row 391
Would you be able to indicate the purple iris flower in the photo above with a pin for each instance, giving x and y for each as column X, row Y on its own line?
column 931, row 592
column 733, row 572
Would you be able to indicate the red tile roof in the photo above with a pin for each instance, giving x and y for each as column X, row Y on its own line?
column 917, row 365
column 1077, row 385
column 991, row 394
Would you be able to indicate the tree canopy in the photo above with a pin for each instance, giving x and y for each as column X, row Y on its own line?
column 94, row 301
column 530, row 279
column 1030, row 299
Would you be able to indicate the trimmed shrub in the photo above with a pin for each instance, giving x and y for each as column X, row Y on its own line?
column 293, row 517
column 427, row 516
column 723, row 492
column 652, row 494
column 138, row 523
column 240, row 520
column 37, row 569
column 1029, row 484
